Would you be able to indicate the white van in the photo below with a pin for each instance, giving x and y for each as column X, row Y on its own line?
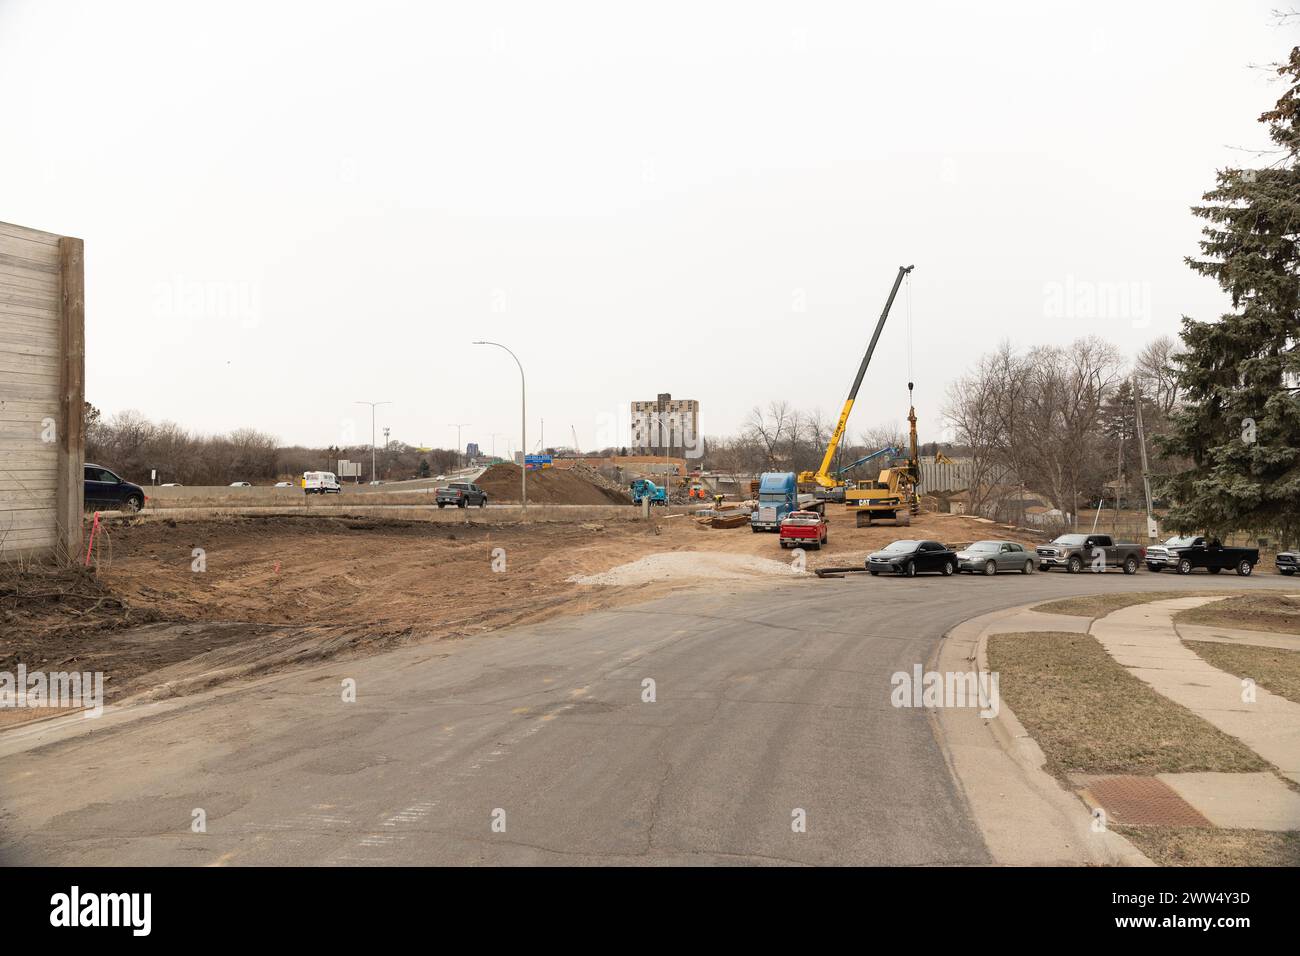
column 320, row 483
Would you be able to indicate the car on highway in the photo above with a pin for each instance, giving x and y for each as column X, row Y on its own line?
column 1185, row 553
column 240, row 484
column 911, row 558
column 171, row 484
column 105, row 490
column 284, row 484
column 1288, row 562
column 803, row 528
column 461, row 494
column 1078, row 552
column 990, row 557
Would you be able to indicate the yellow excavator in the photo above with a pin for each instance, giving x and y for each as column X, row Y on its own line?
column 891, row 494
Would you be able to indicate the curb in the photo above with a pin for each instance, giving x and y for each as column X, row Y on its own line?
column 1025, row 815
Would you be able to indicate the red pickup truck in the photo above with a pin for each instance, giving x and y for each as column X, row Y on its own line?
column 803, row 529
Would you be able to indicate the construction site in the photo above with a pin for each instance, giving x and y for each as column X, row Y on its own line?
column 437, row 436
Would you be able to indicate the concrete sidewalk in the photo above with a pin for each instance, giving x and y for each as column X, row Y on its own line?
column 1143, row 640
column 1025, row 816
column 1238, row 635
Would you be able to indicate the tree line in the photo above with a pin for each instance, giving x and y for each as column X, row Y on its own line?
column 133, row 446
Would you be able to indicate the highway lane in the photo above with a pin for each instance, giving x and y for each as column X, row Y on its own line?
column 535, row 745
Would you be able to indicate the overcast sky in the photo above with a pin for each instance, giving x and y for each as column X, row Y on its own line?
column 290, row 207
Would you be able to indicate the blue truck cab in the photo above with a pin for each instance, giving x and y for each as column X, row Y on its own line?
column 778, row 495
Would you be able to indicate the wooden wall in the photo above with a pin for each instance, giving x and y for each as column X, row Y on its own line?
column 42, row 373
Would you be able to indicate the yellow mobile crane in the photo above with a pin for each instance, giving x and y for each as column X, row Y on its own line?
column 828, row 485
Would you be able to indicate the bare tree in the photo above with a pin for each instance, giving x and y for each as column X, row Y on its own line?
column 884, row 434
column 1157, row 369
column 974, row 410
column 770, row 430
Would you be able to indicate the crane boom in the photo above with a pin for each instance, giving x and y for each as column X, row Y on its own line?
column 889, row 450
column 822, row 475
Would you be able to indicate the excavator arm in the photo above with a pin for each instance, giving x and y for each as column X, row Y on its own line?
column 822, row 476
column 890, row 450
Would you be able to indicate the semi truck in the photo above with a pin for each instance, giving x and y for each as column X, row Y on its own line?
column 778, row 496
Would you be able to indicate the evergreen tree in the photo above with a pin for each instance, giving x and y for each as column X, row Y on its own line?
column 1240, row 426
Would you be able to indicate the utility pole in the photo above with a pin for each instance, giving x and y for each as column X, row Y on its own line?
column 458, row 426
column 373, row 406
column 1152, row 532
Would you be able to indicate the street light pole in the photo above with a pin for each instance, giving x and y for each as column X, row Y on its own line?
column 668, row 465
column 373, row 406
column 523, row 424
column 458, row 426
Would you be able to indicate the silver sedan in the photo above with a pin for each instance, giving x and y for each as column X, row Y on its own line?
column 990, row 557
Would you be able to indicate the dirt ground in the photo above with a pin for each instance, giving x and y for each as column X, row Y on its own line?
column 1272, row 611
column 179, row 605
column 1091, row 716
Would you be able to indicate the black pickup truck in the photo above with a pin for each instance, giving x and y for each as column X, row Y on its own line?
column 1186, row 553
column 1088, row 552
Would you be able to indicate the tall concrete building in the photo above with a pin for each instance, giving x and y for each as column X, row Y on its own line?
column 667, row 426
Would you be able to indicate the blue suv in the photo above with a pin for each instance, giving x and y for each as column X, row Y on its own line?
column 105, row 491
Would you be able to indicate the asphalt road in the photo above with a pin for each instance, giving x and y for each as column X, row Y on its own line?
column 768, row 701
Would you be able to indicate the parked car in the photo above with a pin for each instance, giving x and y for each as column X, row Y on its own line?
column 803, row 528
column 1288, row 562
column 990, row 557
column 1075, row 552
column 912, row 558
column 106, row 491
column 1186, row 552
column 461, row 494
column 320, row 483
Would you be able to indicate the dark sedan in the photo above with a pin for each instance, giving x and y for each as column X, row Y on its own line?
column 912, row 558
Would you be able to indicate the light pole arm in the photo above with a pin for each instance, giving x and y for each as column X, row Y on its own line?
column 523, row 424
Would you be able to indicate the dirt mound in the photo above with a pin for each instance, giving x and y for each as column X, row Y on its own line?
column 550, row 486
